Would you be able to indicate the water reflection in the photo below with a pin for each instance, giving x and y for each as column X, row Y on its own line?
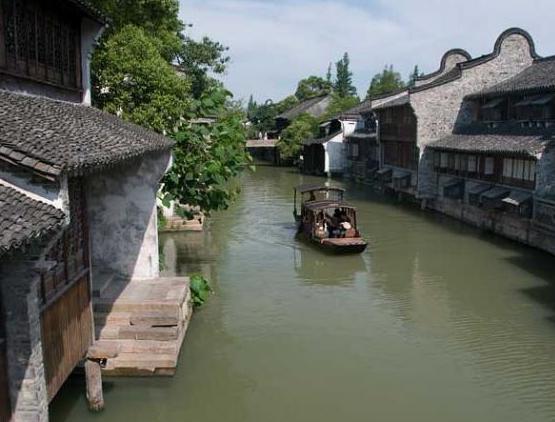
column 316, row 267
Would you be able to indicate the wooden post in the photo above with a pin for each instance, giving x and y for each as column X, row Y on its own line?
column 96, row 357
column 94, row 385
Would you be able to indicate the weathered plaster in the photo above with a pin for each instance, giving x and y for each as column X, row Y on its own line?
column 123, row 218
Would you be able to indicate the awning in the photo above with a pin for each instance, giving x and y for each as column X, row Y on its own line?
column 384, row 171
column 452, row 182
column 543, row 100
column 517, row 198
column 537, row 100
column 400, row 174
column 496, row 193
column 477, row 188
column 493, row 103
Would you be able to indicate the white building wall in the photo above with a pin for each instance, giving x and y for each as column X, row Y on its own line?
column 123, row 218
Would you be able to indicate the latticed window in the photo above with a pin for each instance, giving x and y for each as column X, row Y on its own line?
column 40, row 42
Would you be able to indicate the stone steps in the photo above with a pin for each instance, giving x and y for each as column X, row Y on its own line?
column 147, row 320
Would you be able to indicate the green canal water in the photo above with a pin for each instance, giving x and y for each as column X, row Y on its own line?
column 436, row 321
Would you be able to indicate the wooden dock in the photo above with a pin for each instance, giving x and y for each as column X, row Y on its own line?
column 147, row 320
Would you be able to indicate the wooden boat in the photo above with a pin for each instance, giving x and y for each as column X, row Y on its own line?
column 326, row 220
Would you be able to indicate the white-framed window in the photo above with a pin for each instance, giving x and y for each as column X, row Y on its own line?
column 488, row 166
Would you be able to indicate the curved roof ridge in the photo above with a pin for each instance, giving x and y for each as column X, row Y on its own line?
column 443, row 63
column 482, row 59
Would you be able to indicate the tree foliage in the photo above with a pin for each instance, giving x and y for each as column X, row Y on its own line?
column 312, row 86
column 338, row 105
column 414, row 75
column 199, row 59
column 159, row 19
column 131, row 79
column 387, row 81
column 303, row 127
column 207, row 156
column 343, row 86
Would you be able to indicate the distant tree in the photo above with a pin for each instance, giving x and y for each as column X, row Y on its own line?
column 312, row 87
column 329, row 75
column 338, row 105
column 264, row 116
column 302, row 128
column 344, row 78
column 415, row 74
column 387, row 81
column 251, row 108
column 198, row 60
column 286, row 104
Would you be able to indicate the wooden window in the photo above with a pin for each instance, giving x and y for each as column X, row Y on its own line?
column 472, row 164
column 519, row 172
column 444, row 160
column 40, row 42
column 489, row 164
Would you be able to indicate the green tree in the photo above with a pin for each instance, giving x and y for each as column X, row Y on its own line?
column 344, row 78
column 303, row 127
column 286, row 104
column 251, row 108
column 415, row 74
column 329, row 75
column 207, row 157
column 338, row 105
column 387, row 81
column 131, row 79
column 159, row 19
column 312, row 86
column 199, row 60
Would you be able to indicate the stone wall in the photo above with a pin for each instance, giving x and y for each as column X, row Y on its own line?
column 440, row 108
column 20, row 302
column 123, row 218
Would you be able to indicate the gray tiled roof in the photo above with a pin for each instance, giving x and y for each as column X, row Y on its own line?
column 356, row 112
column 540, row 76
column 507, row 138
column 405, row 99
column 52, row 137
column 23, row 219
column 301, row 108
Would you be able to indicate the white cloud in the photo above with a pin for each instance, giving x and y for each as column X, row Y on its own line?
column 275, row 44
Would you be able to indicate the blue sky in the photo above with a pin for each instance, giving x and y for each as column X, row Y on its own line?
column 275, row 43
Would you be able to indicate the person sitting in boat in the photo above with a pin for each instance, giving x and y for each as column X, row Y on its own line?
column 344, row 224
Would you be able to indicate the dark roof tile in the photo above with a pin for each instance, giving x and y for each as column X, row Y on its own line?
column 23, row 219
column 506, row 138
column 538, row 77
column 52, row 136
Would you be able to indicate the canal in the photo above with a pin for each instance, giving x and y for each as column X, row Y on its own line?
column 436, row 321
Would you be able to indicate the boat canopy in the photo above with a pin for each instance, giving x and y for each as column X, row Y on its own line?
column 324, row 205
column 312, row 188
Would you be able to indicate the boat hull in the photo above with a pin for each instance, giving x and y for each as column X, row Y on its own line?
column 337, row 246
